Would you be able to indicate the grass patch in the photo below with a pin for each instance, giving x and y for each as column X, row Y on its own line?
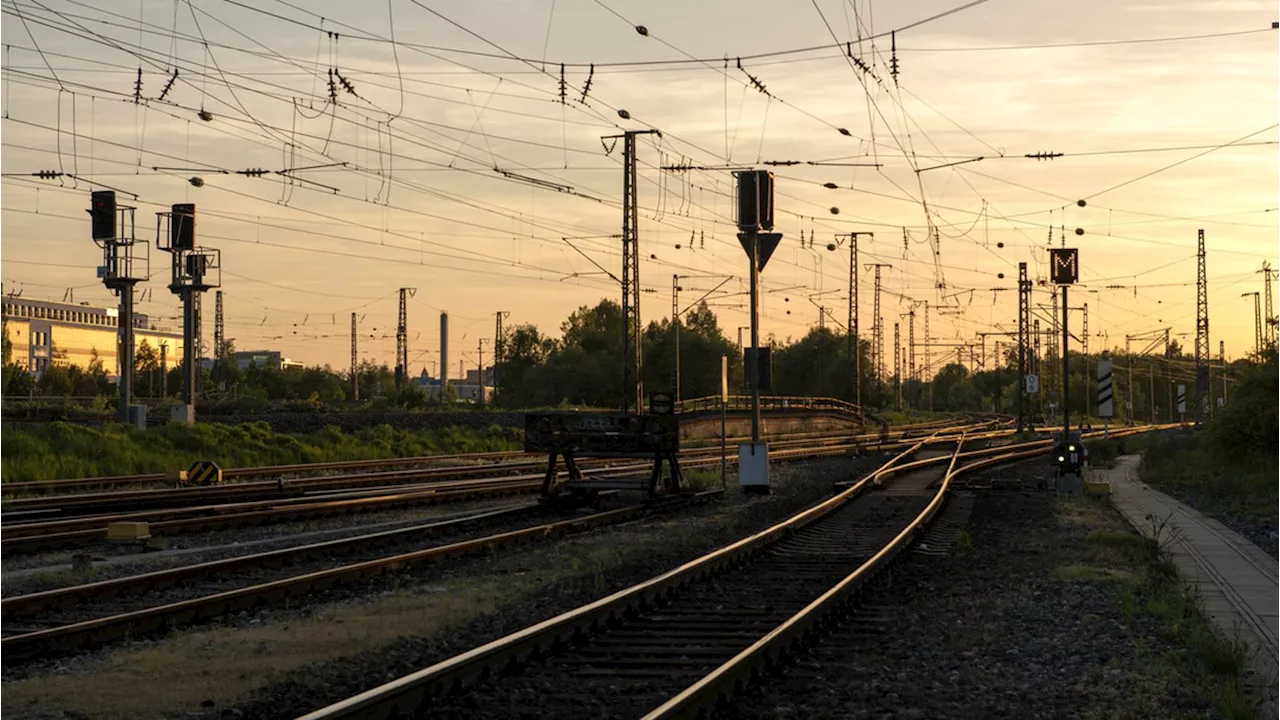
column 1150, row 587
column 1118, row 538
column 704, row 479
column 63, row 450
column 1089, row 573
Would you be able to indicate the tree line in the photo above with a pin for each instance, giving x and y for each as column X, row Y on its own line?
column 583, row 367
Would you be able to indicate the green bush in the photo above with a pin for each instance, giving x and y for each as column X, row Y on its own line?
column 65, row 450
column 1247, row 425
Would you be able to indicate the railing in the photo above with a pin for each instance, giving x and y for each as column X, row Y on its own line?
column 742, row 403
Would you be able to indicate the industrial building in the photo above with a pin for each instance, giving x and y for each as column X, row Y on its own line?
column 47, row 333
column 265, row 360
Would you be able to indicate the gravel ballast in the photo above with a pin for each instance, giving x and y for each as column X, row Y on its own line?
column 283, row 662
column 1029, row 619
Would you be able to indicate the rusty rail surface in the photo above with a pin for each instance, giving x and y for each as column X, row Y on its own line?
column 413, row 694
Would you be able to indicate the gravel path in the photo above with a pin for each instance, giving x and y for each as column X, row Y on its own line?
column 1262, row 535
column 1008, row 628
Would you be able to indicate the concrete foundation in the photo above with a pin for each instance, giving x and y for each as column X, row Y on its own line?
column 1070, row 484
column 753, row 467
column 138, row 416
column 185, row 414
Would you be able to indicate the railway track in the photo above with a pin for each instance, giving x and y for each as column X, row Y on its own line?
column 68, row 619
column 682, row 643
column 42, row 535
column 42, row 489
column 78, row 532
column 56, row 622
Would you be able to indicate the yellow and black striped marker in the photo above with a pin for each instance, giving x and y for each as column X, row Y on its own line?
column 205, row 472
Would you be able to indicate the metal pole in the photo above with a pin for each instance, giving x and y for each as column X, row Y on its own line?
column 928, row 362
column 1204, row 388
column 1269, row 327
column 1151, row 389
column 480, row 371
column 632, row 370
column 1222, row 357
column 628, row 242
column 753, row 368
column 724, row 422
column 1066, row 398
column 218, row 340
column 822, row 351
column 675, row 323
column 1257, row 321
column 189, row 298
column 1036, row 369
column 1128, row 388
column 1023, row 313
column 126, row 350
column 355, row 376
column 1084, row 356
column 897, row 364
column 1168, row 373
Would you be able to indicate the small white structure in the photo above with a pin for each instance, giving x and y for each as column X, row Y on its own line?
column 753, row 467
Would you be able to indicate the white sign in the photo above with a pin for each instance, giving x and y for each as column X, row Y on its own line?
column 1033, row 384
column 1104, row 389
column 1220, row 402
column 1182, row 398
column 724, row 378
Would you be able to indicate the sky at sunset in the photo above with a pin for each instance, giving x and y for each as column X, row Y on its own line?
column 451, row 165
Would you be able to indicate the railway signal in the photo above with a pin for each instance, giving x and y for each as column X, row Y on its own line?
column 1064, row 271
column 125, row 263
column 755, row 213
column 194, row 271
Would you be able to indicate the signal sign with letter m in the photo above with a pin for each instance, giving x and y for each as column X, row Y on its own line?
column 1064, row 265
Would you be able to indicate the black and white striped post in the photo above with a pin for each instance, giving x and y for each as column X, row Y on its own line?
column 1104, row 394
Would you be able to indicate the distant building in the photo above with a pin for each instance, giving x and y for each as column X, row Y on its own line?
column 465, row 392
column 473, row 377
column 47, row 333
column 266, row 360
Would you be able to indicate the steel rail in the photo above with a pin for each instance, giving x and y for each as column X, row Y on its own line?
column 409, row 694
column 29, row 486
column 796, row 633
column 402, row 697
column 16, row 607
column 792, row 636
column 279, row 496
column 223, row 511
column 78, row 636
column 44, row 486
column 62, row 534
column 249, row 490
column 80, row 538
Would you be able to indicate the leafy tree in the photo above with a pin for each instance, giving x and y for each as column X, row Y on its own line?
column 524, row 353
column 701, row 345
column 56, row 381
